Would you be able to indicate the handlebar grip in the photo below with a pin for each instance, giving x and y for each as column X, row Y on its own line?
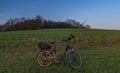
column 72, row 36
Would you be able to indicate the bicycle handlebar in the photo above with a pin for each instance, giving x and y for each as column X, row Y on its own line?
column 69, row 38
column 72, row 35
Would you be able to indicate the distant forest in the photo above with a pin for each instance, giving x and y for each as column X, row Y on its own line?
column 39, row 23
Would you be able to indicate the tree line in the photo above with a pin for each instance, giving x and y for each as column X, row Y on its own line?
column 39, row 23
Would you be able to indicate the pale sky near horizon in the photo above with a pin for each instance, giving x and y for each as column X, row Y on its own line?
column 103, row 14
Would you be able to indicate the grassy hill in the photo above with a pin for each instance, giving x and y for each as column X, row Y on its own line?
column 100, row 50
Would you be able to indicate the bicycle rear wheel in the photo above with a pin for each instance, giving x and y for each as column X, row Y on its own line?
column 44, row 59
column 74, row 59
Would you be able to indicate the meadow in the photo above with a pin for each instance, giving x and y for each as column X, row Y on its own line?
column 100, row 50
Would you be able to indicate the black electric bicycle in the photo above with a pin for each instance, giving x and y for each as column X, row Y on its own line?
column 48, row 54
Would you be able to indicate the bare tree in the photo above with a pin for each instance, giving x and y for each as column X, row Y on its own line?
column 22, row 19
column 74, row 23
column 39, row 21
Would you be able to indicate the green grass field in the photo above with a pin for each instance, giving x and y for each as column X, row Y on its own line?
column 100, row 50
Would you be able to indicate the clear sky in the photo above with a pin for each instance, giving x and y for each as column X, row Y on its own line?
column 103, row 14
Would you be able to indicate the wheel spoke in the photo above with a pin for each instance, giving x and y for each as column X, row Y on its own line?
column 43, row 59
column 75, row 60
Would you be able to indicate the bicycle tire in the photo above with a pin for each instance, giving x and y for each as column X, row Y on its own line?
column 43, row 58
column 74, row 59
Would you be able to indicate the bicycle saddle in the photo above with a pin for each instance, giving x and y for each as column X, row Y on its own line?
column 44, row 46
column 53, row 42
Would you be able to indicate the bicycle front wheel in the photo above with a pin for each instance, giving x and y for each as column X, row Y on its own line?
column 44, row 59
column 74, row 59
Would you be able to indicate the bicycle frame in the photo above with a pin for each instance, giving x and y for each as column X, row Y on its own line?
column 69, row 47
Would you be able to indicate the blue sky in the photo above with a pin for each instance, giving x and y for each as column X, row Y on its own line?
column 103, row 14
